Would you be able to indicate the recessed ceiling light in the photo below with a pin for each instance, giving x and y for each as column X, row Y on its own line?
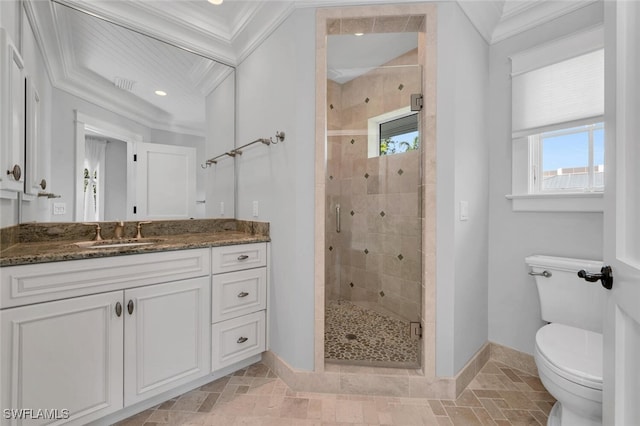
column 160, row 93
column 358, row 34
column 216, row 2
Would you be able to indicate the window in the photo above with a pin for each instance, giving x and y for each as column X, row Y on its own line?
column 399, row 135
column 568, row 160
column 393, row 132
column 557, row 124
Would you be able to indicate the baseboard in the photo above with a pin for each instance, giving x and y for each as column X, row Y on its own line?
column 367, row 381
column 473, row 367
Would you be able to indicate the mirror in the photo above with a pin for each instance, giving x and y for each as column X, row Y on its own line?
column 131, row 120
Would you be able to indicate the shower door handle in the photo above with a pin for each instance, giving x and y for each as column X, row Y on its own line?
column 338, row 218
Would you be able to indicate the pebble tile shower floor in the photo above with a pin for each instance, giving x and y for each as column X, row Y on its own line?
column 358, row 335
column 498, row 396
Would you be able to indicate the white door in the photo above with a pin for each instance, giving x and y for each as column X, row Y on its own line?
column 167, row 330
column 12, row 102
column 166, row 181
column 621, row 398
column 63, row 355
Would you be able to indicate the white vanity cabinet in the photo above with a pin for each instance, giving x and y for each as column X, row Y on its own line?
column 239, row 301
column 95, row 354
column 64, row 355
column 12, row 117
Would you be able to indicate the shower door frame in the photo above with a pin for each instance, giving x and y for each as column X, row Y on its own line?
column 427, row 194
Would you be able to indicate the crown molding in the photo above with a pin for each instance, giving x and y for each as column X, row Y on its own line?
column 527, row 15
column 136, row 16
column 264, row 22
column 483, row 15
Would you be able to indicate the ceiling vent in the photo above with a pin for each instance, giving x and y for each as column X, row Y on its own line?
column 124, row 83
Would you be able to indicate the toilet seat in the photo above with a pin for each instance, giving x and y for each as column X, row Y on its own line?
column 572, row 353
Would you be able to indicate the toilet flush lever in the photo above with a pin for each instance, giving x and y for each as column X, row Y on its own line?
column 605, row 276
column 545, row 274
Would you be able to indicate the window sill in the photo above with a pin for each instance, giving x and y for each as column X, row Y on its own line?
column 569, row 202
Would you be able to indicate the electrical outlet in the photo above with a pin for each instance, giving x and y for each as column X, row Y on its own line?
column 255, row 209
column 221, row 208
column 59, row 208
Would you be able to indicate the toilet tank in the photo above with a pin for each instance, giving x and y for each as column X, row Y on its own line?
column 564, row 297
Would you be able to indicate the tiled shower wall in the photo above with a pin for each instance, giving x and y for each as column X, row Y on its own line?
column 376, row 256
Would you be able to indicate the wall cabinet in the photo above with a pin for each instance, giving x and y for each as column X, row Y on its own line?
column 12, row 117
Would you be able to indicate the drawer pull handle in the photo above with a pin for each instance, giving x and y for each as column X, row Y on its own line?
column 243, row 257
column 118, row 309
column 130, row 307
column 242, row 340
column 243, row 294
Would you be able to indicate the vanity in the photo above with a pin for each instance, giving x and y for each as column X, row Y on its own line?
column 97, row 334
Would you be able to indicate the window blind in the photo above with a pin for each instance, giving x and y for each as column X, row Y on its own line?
column 399, row 126
column 568, row 91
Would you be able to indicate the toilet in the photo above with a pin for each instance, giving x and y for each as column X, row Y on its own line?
column 568, row 350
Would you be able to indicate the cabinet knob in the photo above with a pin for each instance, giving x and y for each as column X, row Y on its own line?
column 242, row 340
column 243, row 294
column 118, row 309
column 43, row 184
column 130, row 307
column 16, row 172
column 243, row 257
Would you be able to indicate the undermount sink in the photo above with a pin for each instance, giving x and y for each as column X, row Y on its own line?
column 105, row 244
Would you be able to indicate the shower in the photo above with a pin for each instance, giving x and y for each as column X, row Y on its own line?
column 373, row 268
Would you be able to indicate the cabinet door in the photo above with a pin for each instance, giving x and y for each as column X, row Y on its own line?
column 64, row 355
column 166, row 337
column 12, row 124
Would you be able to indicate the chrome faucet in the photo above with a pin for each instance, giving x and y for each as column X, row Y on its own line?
column 118, row 232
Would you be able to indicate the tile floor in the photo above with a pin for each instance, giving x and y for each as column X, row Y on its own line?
column 356, row 333
column 498, row 395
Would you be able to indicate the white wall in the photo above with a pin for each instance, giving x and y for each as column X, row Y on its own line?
column 276, row 92
column 63, row 145
column 462, row 150
column 514, row 309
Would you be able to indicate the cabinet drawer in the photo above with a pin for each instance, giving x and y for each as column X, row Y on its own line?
column 237, row 339
column 26, row 284
column 238, row 293
column 235, row 258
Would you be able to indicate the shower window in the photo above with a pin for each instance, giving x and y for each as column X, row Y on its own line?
column 399, row 135
column 394, row 132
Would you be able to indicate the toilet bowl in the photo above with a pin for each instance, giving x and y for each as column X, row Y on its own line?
column 568, row 350
column 569, row 362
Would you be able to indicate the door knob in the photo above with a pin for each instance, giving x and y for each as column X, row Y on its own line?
column 605, row 276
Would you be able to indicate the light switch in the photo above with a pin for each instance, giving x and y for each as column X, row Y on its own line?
column 464, row 210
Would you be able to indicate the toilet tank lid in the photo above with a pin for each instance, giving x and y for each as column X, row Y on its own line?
column 563, row 263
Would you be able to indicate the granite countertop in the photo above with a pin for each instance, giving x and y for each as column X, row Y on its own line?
column 42, row 250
